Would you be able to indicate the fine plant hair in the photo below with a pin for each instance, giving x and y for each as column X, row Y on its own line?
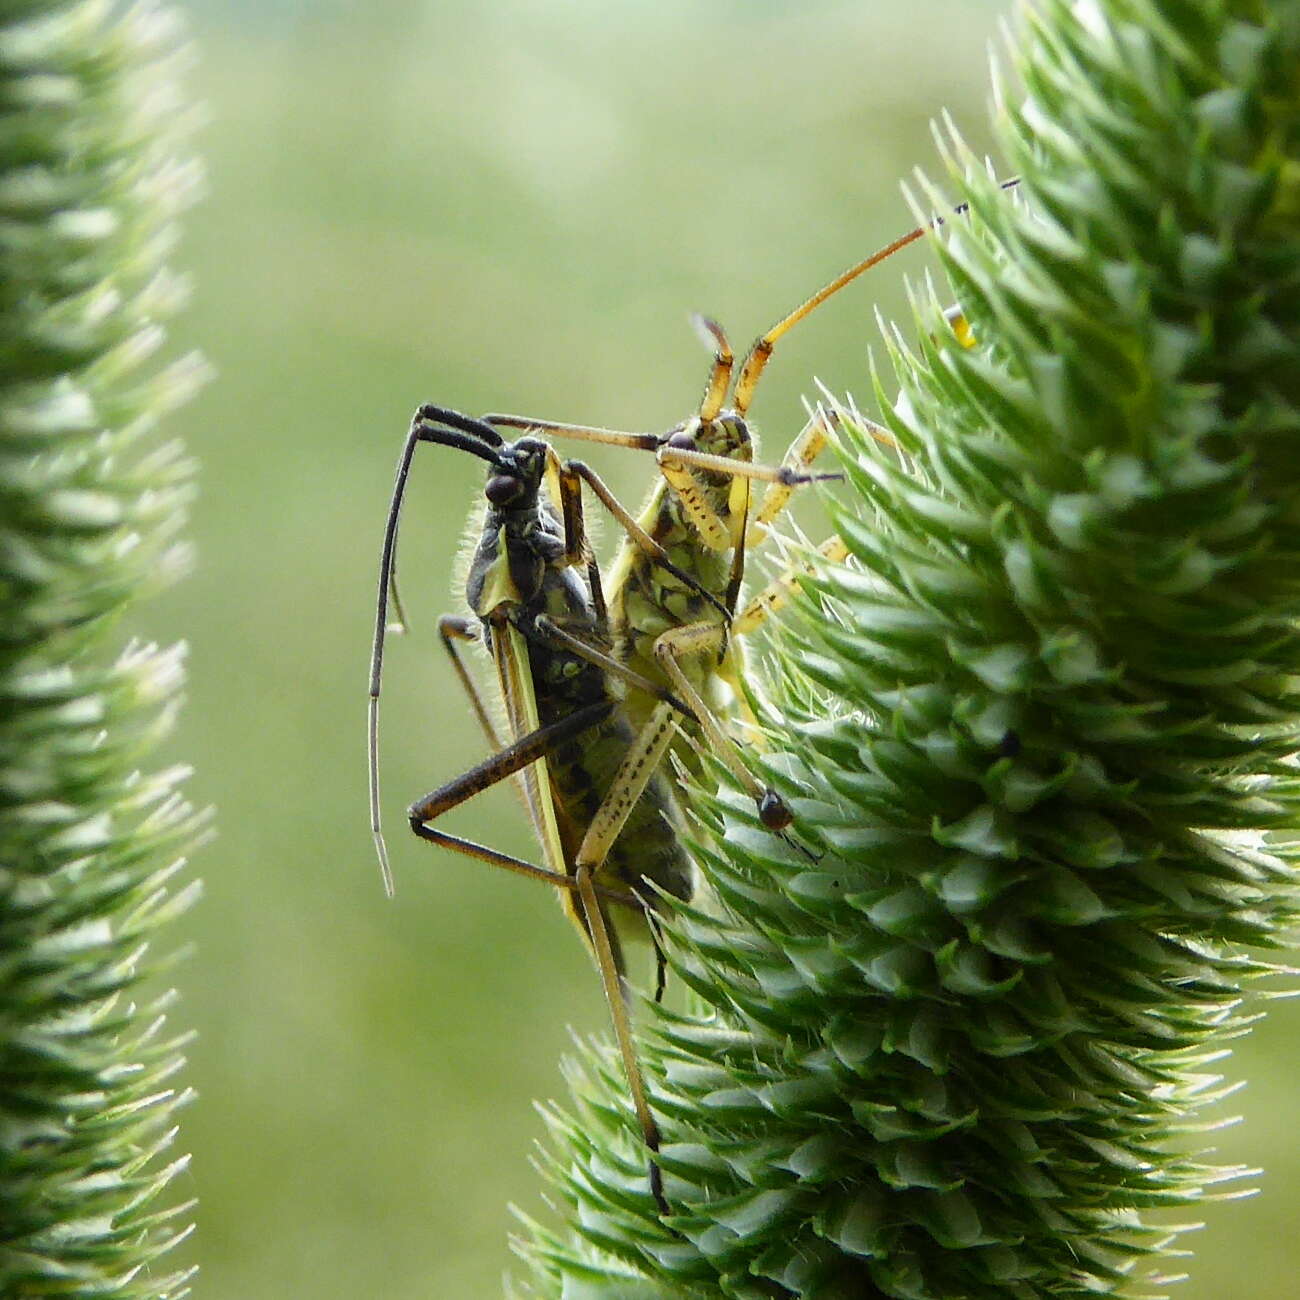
column 92, row 176
column 1041, row 727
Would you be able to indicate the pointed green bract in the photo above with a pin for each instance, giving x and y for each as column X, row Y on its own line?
column 90, row 506
column 1039, row 726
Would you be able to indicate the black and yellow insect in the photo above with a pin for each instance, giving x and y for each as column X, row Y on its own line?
column 605, row 819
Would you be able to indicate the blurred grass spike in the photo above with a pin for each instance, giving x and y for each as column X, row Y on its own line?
column 95, row 168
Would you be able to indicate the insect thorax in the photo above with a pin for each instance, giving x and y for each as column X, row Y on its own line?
column 651, row 600
column 515, row 552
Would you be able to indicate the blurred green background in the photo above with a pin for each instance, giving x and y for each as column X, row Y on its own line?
column 496, row 205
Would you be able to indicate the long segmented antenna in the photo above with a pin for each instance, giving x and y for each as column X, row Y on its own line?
column 465, row 434
column 466, row 424
column 715, row 392
column 583, row 432
column 757, row 356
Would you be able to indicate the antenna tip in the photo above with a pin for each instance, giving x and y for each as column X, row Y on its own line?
column 386, row 871
column 710, row 332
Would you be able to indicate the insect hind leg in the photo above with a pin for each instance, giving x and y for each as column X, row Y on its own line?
column 513, row 758
column 634, row 773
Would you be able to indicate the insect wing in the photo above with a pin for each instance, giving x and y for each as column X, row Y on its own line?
column 510, row 651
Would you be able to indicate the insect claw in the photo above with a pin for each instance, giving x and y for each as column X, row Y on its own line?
column 803, row 848
column 796, row 478
column 657, row 1188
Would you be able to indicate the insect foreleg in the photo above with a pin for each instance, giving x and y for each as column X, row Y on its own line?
column 573, row 474
column 453, row 629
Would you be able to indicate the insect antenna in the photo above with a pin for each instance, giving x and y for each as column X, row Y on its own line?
column 428, row 413
column 446, row 429
column 715, row 392
column 757, row 357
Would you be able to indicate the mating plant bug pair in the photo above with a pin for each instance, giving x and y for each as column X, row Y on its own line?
column 601, row 675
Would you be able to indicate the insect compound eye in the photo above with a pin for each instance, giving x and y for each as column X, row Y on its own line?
column 682, row 441
column 502, row 489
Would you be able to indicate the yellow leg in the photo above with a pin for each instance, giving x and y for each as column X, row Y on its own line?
column 805, row 449
column 634, row 773
column 612, row 982
column 797, row 461
column 629, row 783
column 776, row 595
column 711, row 638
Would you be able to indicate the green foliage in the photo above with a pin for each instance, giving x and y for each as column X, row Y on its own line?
column 90, row 506
column 1041, row 724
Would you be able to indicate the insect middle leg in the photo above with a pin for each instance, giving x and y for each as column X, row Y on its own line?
column 502, row 765
column 572, row 475
column 696, row 640
column 454, row 630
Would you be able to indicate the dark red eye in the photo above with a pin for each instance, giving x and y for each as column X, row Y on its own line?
column 502, row 489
